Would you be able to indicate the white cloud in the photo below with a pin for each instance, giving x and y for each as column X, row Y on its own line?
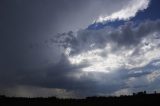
column 126, row 47
column 98, row 62
column 127, row 12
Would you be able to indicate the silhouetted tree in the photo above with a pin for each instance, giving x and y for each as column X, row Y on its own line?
column 134, row 94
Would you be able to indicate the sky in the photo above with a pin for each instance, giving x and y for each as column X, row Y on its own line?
column 79, row 48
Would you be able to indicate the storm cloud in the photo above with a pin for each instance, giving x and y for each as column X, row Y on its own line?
column 47, row 50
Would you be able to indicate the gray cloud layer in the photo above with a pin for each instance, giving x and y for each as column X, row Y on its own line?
column 33, row 56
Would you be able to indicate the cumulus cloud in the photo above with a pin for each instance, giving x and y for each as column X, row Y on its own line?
column 111, row 48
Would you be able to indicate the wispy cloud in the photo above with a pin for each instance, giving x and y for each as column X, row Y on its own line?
column 128, row 11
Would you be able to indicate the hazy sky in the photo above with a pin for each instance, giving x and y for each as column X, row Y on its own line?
column 79, row 48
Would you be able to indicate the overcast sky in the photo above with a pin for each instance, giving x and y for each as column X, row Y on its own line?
column 79, row 48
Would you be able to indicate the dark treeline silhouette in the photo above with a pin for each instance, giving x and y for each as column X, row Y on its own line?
column 140, row 98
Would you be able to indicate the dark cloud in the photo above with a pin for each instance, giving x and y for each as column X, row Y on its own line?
column 33, row 48
column 27, row 24
column 61, row 75
column 65, row 75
